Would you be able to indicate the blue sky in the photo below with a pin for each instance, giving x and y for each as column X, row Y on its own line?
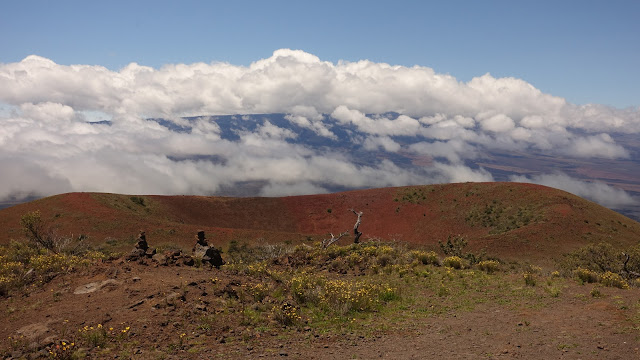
column 583, row 51
column 532, row 77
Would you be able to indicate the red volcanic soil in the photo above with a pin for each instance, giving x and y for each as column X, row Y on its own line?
column 510, row 220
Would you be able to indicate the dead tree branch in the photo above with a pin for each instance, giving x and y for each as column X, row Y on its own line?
column 357, row 233
column 627, row 271
column 327, row 242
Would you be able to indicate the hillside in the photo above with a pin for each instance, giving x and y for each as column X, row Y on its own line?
column 505, row 219
column 510, row 220
column 368, row 300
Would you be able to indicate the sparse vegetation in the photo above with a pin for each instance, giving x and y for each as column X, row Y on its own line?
column 413, row 195
column 42, row 234
column 41, row 258
column 501, row 218
column 454, row 246
column 138, row 200
column 322, row 289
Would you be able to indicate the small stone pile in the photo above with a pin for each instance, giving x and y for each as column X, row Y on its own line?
column 207, row 254
column 142, row 249
column 202, row 252
column 173, row 257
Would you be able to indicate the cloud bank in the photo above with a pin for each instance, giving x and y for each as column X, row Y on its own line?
column 48, row 145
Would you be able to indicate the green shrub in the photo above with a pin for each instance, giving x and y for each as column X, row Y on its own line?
column 489, row 266
column 529, row 279
column 306, row 287
column 385, row 260
column 425, row 257
column 453, row 262
column 600, row 257
column 454, row 246
column 339, row 296
column 553, row 290
column 138, row 200
column 613, row 280
column 286, row 314
column 586, row 275
column 633, row 264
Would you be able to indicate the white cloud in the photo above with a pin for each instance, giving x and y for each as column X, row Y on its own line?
column 453, row 150
column 460, row 173
column 498, row 123
column 601, row 146
column 45, row 106
column 308, row 118
column 285, row 189
column 402, row 125
column 599, row 192
column 373, row 143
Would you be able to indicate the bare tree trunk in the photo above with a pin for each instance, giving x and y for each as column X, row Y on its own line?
column 357, row 233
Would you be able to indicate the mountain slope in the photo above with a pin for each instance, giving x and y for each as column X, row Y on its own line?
column 510, row 220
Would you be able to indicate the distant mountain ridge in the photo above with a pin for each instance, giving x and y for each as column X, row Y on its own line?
column 345, row 138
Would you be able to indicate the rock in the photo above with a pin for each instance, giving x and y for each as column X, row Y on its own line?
column 35, row 331
column 160, row 259
column 188, row 261
column 109, row 284
column 135, row 255
column 136, row 304
column 150, row 252
column 208, row 255
column 199, row 250
column 228, row 290
column 169, row 300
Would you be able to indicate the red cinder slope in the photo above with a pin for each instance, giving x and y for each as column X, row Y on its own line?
column 506, row 219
